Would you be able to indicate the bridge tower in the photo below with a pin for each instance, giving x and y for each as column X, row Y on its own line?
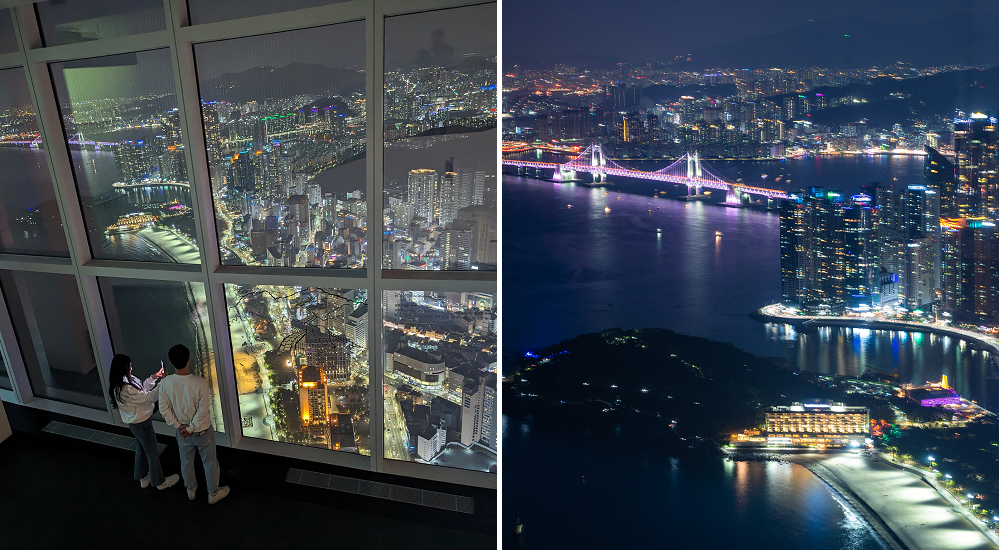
column 597, row 160
column 564, row 173
column 734, row 196
column 694, row 171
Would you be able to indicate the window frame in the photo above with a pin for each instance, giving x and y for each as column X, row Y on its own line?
column 180, row 37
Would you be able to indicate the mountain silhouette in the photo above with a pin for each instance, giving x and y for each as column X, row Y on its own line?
column 855, row 42
column 294, row 79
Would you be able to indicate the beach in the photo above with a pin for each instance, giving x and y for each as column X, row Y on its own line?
column 907, row 512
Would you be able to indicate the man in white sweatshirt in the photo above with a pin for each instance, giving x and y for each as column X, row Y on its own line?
column 185, row 404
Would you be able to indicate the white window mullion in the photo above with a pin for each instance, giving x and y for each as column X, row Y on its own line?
column 374, row 46
column 61, row 170
column 192, row 130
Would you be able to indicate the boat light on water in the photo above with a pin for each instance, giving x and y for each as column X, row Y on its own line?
column 607, row 209
column 718, row 233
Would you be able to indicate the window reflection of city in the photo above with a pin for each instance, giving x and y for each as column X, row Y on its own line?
column 444, row 215
column 441, row 378
column 285, row 147
column 123, row 133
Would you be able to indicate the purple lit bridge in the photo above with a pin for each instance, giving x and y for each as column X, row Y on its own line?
column 75, row 141
column 688, row 171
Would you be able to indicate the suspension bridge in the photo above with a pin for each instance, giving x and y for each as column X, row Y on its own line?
column 76, row 140
column 687, row 170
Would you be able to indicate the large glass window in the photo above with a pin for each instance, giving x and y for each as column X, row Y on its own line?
column 124, row 137
column 439, row 169
column 284, row 118
column 52, row 333
column 29, row 215
column 73, row 21
column 8, row 40
column 146, row 318
column 440, row 378
column 301, row 363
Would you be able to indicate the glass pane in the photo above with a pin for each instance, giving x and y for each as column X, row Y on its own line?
column 123, row 128
column 29, row 216
column 8, row 40
column 440, row 384
column 301, row 362
column 284, row 122
column 146, row 318
column 52, row 333
column 73, row 21
column 439, row 166
column 210, row 11
column 5, row 380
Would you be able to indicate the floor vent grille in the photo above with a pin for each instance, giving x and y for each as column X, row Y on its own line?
column 433, row 499
column 94, row 436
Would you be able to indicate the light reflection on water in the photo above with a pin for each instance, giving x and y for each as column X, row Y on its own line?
column 589, row 271
column 575, row 270
column 672, row 503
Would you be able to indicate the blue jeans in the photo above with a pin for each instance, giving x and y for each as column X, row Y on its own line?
column 147, row 456
column 205, row 445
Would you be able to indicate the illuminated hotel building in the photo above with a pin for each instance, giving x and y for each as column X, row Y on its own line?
column 313, row 401
column 816, row 424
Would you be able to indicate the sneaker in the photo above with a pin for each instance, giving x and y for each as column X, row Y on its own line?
column 169, row 482
column 144, row 482
column 192, row 493
column 219, row 495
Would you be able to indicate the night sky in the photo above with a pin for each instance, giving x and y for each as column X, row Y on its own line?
column 654, row 30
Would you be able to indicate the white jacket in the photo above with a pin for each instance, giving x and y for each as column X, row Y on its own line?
column 136, row 405
column 185, row 399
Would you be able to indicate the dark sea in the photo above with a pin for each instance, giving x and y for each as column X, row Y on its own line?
column 572, row 268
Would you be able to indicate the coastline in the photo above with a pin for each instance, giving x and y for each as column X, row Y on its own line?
column 874, row 521
column 906, row 512
column 768, row 315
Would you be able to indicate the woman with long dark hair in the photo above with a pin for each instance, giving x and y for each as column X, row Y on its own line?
column 135, row 399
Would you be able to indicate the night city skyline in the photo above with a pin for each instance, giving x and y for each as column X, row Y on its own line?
column 764, row 256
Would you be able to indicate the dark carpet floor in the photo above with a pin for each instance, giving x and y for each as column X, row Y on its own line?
column 57, row 492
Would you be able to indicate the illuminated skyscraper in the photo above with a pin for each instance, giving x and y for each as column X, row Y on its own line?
column 130, row 160
column 632, row 128
column 813, row 263
column 448, row 193
column 957, row 260
column 939, row 174
column 298, row 206
column 484, row 233
column 421, row 194
column 479, row 393
column 861, row 252
column 313, row 403
column 976, row 166
column 986, row 270
column 357, row 327
column 213, row 132
column 919, row 260
column 327, row 351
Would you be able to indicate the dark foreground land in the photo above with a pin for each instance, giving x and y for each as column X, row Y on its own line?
column 687, row 394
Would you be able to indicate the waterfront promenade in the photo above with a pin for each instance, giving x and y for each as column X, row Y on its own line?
column 776, row 313
column 906, row 511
